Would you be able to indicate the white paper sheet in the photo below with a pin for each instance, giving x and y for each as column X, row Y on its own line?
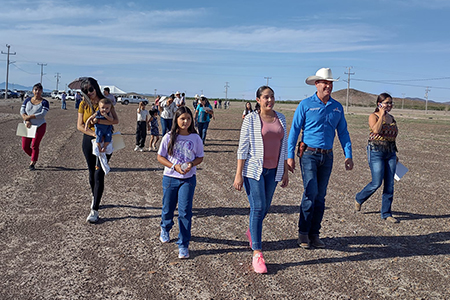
column 400, row 171
column 23, row 130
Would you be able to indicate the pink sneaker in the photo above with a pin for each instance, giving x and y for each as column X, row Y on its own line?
column 259, row 265
column 249, row 237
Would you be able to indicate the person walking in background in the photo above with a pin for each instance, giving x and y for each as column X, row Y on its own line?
column 108, row 95
column 195, row 101
column 178, row 100
column 63, row 100
column 180, row 153
column 319, row 117
column 141, row 127
column 248, row 109
column 167, row 108
column 261, row 164
column 91, row 98
column 77, row 100
column 381, row 154
column 33, row 111
column 215, row 104
column 154, row 129
column 203, row 115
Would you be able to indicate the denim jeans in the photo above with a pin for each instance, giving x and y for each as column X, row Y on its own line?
column 166, row 125
column 202, row 129
column 260, row 194
column 179, row 191
column 316, row 171
column 382, row 166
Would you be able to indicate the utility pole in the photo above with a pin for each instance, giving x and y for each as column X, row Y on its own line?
column 42, row 69
column 7, row 69
column 426, row 98
column 57, row 80
column 267, row 80
column 155, row 93
column 348, row 87
column 403, row 99
column 201, row 92
column 226, row 90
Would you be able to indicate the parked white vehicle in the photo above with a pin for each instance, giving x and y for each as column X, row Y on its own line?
column 131, row 99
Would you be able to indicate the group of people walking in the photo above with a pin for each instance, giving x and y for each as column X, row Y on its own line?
column 264, row 156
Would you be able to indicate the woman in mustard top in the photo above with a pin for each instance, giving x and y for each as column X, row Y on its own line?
column 91, row 96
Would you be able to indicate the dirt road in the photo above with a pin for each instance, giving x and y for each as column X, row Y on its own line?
column 48, row 251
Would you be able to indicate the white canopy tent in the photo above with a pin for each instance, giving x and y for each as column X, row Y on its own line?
column 113, row 89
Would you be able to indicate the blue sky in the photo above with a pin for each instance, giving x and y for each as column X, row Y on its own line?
column 395, row 46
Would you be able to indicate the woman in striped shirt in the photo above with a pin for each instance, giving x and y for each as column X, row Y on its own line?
column 261, row 164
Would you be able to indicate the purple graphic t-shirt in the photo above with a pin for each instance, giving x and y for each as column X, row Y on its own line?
column 187, row 148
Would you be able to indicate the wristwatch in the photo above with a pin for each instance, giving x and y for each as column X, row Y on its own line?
column 173, row 167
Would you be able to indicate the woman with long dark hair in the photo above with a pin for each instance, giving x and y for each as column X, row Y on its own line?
column 382, row 157
column 33, row 111
column 261, row 164
column 92, row 94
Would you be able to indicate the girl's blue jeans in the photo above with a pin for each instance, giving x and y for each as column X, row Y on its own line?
column 382, row 166
column 179, row 191
column 260, row 193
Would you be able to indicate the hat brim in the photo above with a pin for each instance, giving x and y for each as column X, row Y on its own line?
column 311, row 80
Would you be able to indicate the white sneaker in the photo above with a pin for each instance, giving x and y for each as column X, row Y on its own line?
column 141, row 149
column 93, row 216
column 136, row 148
column 92, row 204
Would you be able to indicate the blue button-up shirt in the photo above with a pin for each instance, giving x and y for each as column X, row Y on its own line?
column 319, row 123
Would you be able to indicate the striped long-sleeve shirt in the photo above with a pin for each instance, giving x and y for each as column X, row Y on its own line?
column 251, row 147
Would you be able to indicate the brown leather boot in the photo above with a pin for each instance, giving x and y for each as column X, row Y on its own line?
column 316, row 242
column 303, row 241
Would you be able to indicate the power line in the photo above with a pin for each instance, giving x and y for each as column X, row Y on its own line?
column 226, row 90
column 42, row 69
column 267, row 80
column 348, row 87
column 7, row 69
column 402, row 84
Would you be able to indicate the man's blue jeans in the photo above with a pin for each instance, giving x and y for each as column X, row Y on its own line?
column 166, row 125
column 202, row 129
column 316, row 171
column 382, row 166
column 179, row 191
column 260, row 194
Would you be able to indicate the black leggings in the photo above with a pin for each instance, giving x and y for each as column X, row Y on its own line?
column 96, row 174
column 141, row 133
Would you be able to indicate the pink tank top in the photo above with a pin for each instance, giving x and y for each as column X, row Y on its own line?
column 272, row 135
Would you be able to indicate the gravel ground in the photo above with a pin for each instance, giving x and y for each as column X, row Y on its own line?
column 48, row 251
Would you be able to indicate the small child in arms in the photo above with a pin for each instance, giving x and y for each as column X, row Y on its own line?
column 103, row 132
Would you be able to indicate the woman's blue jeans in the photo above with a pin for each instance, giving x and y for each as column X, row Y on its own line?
column 316, row 170
column 166, row 125
column 179, row 191
column 202, row 129
column 260, row 194
column 382, row 166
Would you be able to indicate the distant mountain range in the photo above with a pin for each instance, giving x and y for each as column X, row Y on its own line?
column 356, row 97
column 19, row 87
column 359, row 98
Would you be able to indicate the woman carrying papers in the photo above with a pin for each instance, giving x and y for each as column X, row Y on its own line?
column 381, row 154
column 33, row 111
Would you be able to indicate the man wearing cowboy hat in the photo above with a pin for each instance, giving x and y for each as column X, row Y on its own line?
column 178, row 100
column 319, row 117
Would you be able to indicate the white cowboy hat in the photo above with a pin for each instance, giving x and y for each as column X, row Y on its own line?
column 321, row 74
column 177, row 93
column 196, row 96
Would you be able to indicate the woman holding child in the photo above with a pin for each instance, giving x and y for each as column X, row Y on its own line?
column 90, row 104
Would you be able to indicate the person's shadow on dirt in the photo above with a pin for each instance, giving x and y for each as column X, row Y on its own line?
column 364, row 248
